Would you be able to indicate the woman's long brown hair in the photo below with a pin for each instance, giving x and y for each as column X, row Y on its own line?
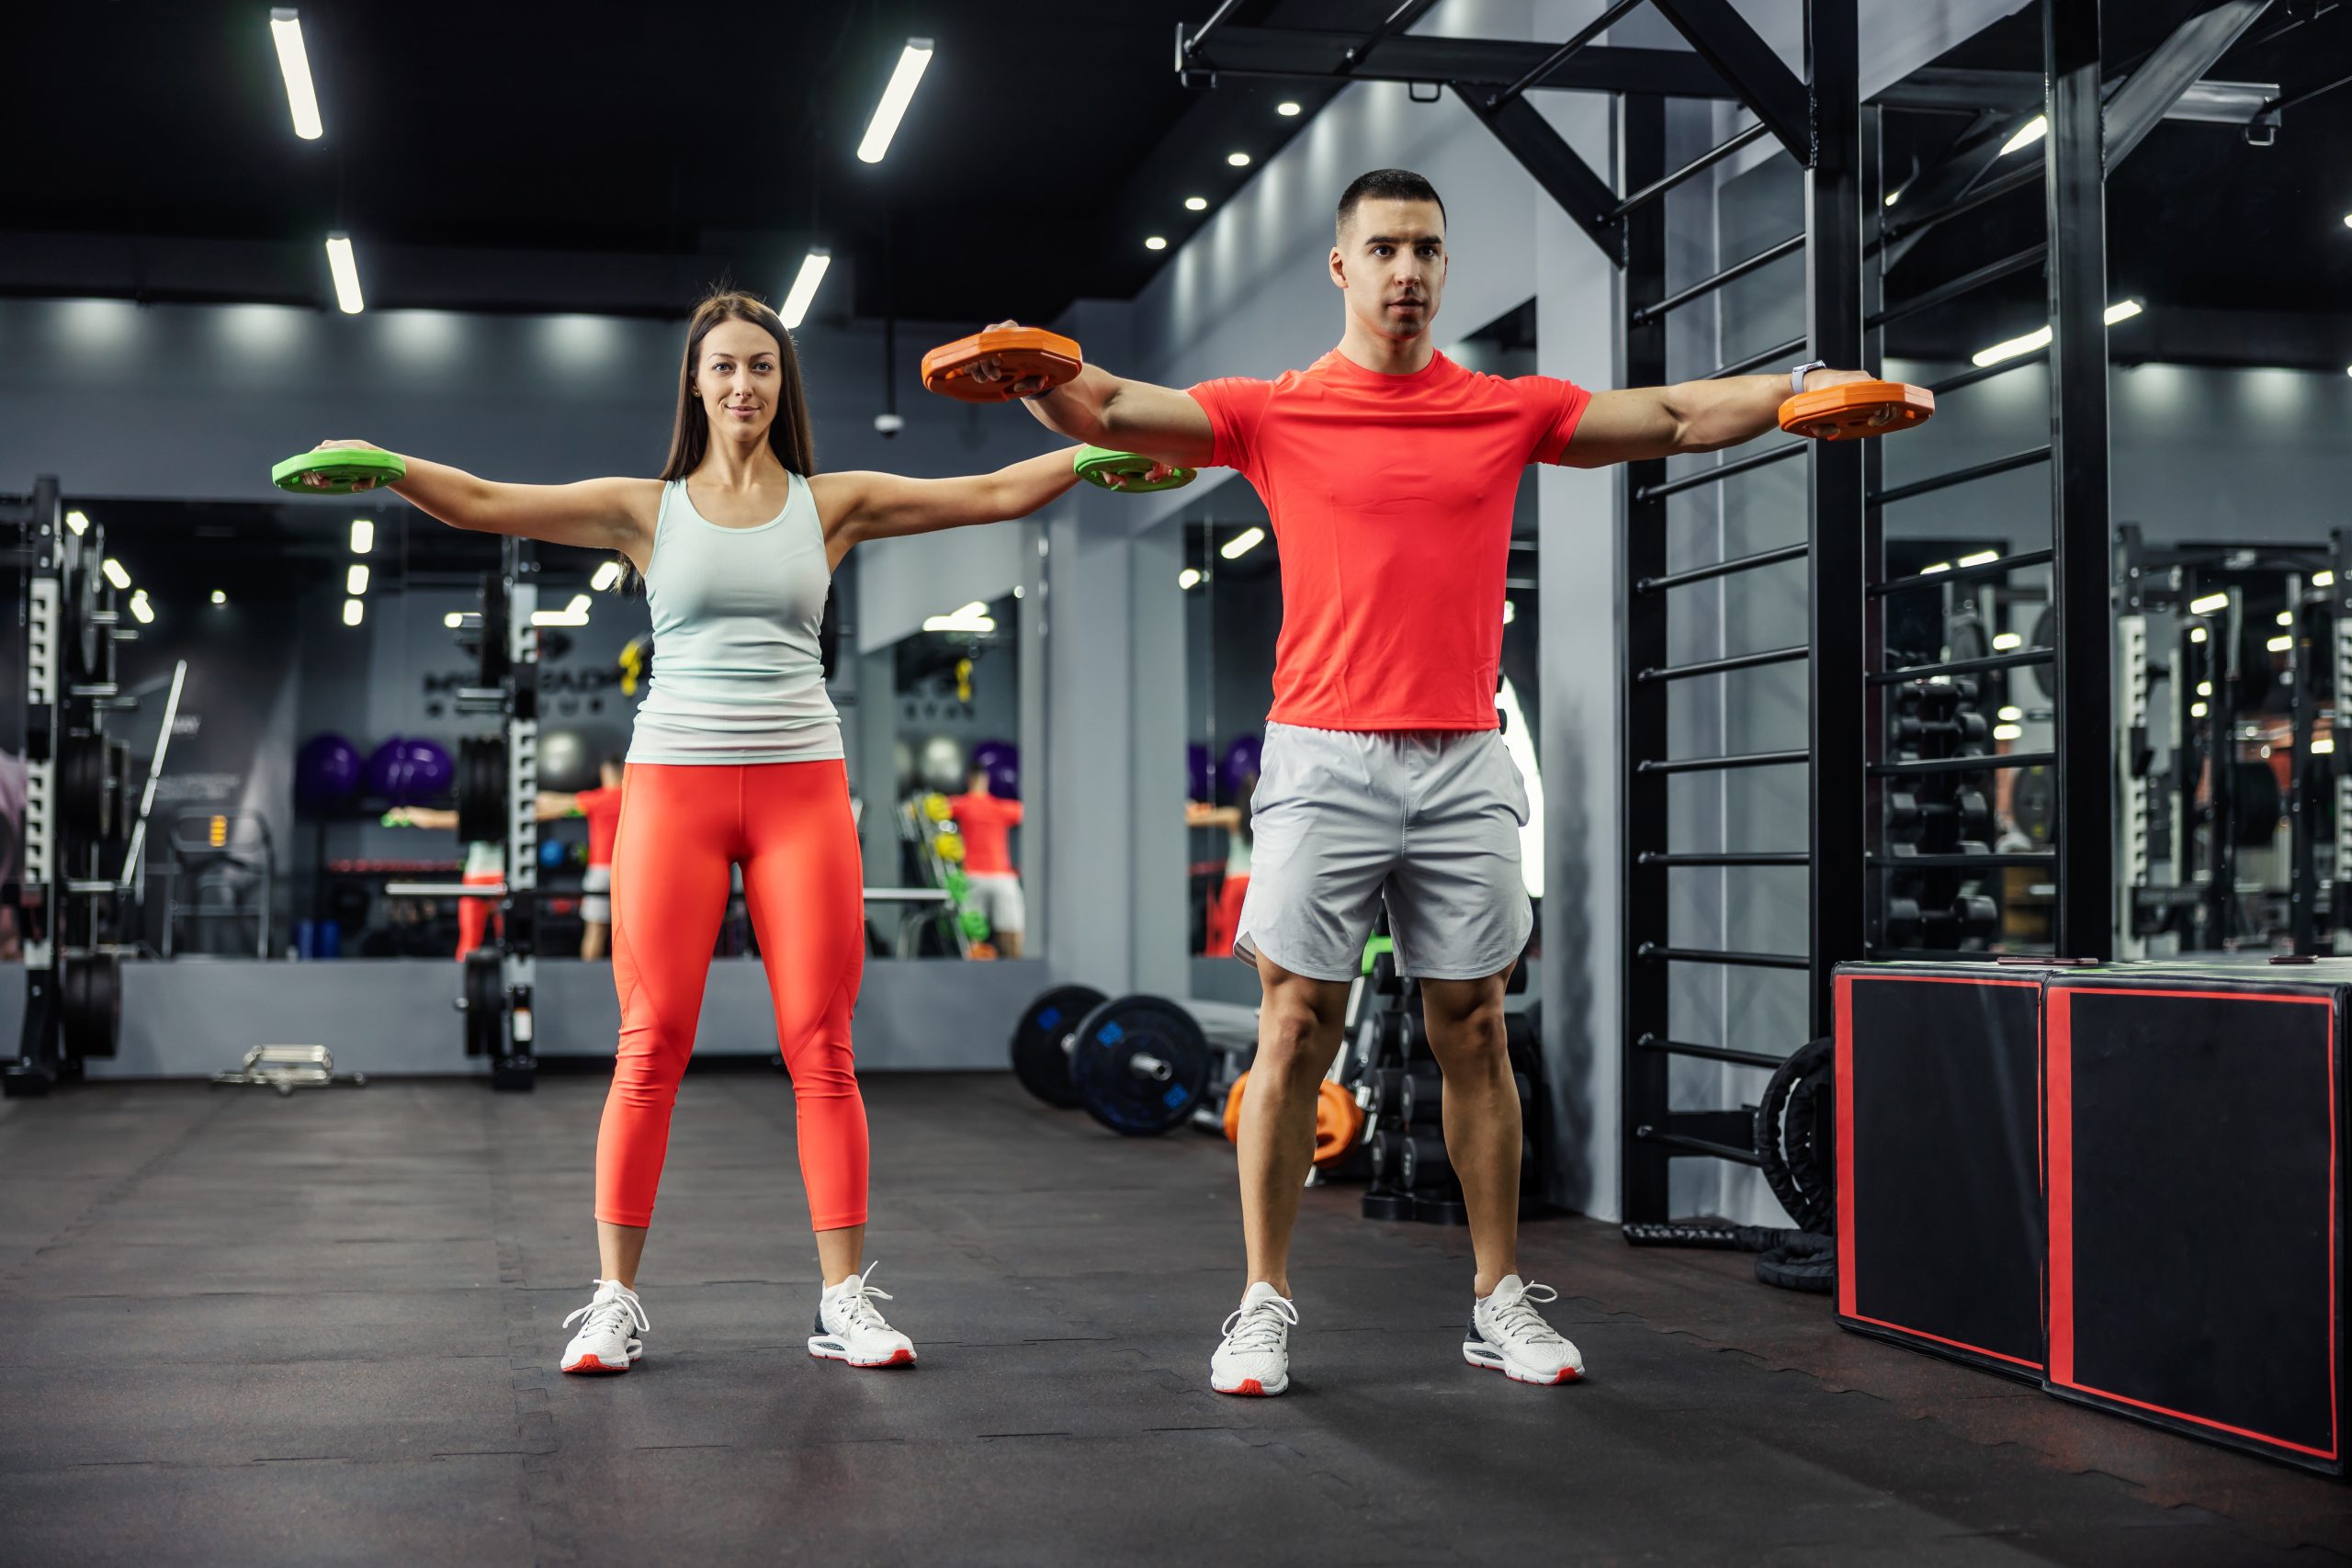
column 789, row 436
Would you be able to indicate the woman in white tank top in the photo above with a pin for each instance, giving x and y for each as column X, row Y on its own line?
column 737, row 761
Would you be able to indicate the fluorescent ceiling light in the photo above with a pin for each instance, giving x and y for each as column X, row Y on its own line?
column 558, row 618
column 1197, row 204
column 2209, row 603
column 2286, row 617
column 1939, row 566
column 345, row 268
column 1980, row 558
column 2029, row 134
column 2122, row 310
column 362, row 536
column 606, row 575
column 1290, row 110
column 1238, row 160
column 2197, row 634
column 77, row 522
column 896, row 97
column 2279, row 644
column 579, row 606
column 1892, row 197
column 2204, row 688
column 971, row 617
column 2347, row 220
column 354, row 582
column 115, row 574
column 2197, row 710
column 2007, row 732
column 2010, row 715
column 294, row 64
column 2323, row 746
column 1156, row 242
column 1241, row 544
column 1188, row 579
column 354, row 611
column 2004, row 641
column 2037, row 339
column 2323, row 580
column 454, row 619
column 219, row 597
column 141, row 611
column 1511, row 612
column 796, row 299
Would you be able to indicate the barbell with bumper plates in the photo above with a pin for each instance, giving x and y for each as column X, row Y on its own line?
column 484, row 1002
column 1041, row 1042
column 83, row 808
column 1140, row 1065
column 90, row 1003
column 482, row 789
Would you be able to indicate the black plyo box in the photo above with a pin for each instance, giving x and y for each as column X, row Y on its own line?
column 2196, row 1200
column 1940, row 1207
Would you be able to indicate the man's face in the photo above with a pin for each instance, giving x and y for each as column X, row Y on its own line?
column 1391, row 262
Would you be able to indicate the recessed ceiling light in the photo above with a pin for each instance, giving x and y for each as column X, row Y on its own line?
column 1156, row 242
column 1286, row 108
column 219, row 597
column 1197, row 204
column 1238, row 160
column 354, row 612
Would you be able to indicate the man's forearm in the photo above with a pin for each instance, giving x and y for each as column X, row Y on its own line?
column 1716, row 414
column 1077, row 407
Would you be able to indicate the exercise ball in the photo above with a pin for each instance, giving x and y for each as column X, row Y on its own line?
column 902, row 764
column 569, row 759
column 940, row 765
column 1001, row 760
column 326, row 771
column 1241, row 757
column 552, row 853
column 1198, row 785
column 406, row 770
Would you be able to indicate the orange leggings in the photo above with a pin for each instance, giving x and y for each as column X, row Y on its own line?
column 681, row 830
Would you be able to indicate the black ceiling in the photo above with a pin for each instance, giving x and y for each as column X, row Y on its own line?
column 619, row 153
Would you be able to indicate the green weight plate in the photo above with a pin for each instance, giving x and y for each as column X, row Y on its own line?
column 338, row 470
column 1097, row 464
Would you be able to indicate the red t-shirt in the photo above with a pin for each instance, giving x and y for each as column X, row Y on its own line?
column 986, row 821
column 1392, row 496
column 602, row 809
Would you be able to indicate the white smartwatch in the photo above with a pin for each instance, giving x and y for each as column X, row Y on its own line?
column 1797, row 375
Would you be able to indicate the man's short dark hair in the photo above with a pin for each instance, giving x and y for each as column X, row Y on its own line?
column 1384, row 185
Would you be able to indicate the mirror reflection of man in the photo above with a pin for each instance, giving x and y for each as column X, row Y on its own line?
column 986, row 819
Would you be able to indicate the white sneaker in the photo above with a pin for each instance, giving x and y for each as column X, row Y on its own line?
column 608, row 1341
column 1508, row 1336
column 1255, row 1357
column 850, row 1327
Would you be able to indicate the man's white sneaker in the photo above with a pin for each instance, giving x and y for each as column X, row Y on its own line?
column 607, row 1342
column 1255, row 1357
column 1508, row 1336
column 850, row 1327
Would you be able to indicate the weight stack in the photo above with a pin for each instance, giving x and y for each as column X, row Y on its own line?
column 2196, row 1200
column 1940, row 1218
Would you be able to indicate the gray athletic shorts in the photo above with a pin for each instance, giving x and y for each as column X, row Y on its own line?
column 596, row 895
column 997, row 895
column 1424, row 820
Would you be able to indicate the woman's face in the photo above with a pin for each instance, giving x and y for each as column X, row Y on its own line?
column 739, row 378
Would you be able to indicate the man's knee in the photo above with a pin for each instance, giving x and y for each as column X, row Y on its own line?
column 1474, row 1042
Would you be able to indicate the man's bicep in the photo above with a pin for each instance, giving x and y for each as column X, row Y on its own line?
column 1159, row 422
column 1623, row 426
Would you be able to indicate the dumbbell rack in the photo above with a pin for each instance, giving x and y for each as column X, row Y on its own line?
column 932, row 837
column 1942, row 820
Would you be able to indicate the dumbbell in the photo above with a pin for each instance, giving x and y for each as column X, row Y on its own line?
column 1971, row 915
column 1419, row 1160
column 1937, row 699
column 1385, row 1161
column 1907, row 815
column 1966, row 725
column 1420, row 1097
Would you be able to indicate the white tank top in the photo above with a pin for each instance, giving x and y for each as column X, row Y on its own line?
column 737, row 673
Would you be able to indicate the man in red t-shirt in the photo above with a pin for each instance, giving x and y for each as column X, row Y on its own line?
column 987, row 822
column 1389, row 473
column 602, row 806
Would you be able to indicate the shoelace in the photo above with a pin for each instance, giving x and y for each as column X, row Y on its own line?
column 1520, row 1320
column 1260, row 1327
column 614, row 1311
column 857, row 1303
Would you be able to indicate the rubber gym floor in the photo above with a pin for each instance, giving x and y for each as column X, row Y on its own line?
column 323, row 1329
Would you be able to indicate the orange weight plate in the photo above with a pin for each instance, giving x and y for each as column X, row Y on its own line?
column 1857, row 409
column 1023, row 352
column 1338, row 1121
column 1233, row 1109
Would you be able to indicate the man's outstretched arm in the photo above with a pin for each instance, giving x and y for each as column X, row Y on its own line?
column 1109, row 410
column 1642, row 422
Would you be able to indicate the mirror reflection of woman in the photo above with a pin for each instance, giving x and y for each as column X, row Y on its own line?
column 737, row 761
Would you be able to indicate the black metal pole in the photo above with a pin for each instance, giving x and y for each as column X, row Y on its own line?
column 2304, row 811
column 2082, row 531
column 1644, row 1163
column 1838, row 835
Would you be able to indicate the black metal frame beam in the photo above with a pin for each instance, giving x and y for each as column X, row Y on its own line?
column 1298, row 53
column 1546, row 154
column 1722, row 37
column 2149, row 93
column 2082, row 530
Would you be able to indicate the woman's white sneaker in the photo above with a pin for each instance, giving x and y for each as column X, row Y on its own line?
column 851, row 1328
column 1255, row 1357
column 1508, row 1336
column 608, row 1341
